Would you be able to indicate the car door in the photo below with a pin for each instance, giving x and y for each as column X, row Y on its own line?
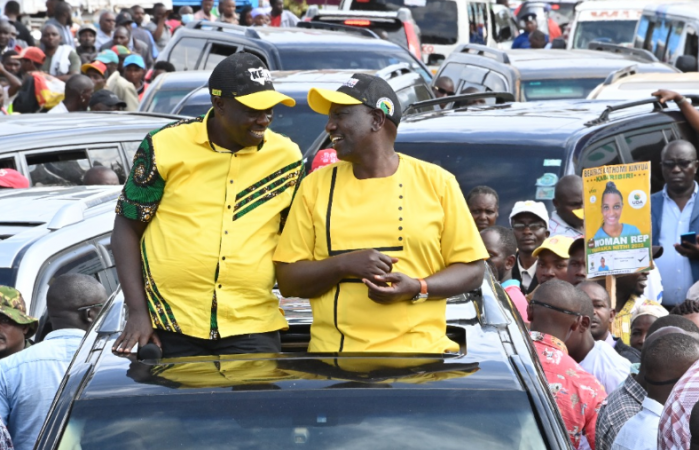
column 66, row 166
column 645, row 145
column 185, row 55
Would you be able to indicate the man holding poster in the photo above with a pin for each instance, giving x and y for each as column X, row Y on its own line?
column 617, row 219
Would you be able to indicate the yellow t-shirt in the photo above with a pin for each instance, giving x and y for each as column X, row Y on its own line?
column 417, row 215
column 213, row 224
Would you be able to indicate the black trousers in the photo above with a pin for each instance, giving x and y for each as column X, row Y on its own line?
column 178, row 345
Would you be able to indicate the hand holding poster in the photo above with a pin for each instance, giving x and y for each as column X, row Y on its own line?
column 617, row 219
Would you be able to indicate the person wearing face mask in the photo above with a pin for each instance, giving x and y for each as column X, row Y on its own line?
column 186, row 14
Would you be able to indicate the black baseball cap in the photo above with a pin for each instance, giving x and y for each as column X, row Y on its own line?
column 245, row 77
column 107, row 98
column 360, row 89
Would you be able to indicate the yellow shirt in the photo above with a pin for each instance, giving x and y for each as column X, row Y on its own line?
column 621, row 327
column 417, row 215
column 213, row 224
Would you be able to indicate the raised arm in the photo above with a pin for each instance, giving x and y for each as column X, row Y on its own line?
column 689, row 111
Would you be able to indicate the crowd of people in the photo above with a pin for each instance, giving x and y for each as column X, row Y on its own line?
column 118, row 53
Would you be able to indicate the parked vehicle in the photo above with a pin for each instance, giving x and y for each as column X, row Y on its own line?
column 626, row 84
column 296, row 398
column 300, row 123
column 166, row 91
column 611, row 21
column 57, row 150
column 532, row 75
column 669, row 31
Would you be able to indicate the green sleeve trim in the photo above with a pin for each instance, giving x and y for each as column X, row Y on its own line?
column 144, row 188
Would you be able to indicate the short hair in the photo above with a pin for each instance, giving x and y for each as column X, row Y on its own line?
column 596, row 284
column 667, row 350
column 76, row 85
column 49, row 25
column 127, row 29
column 537, row 35
column 586, row 306
column 506, row 237
column 104, row 13
column 686, row 307
column 164, row 65
column 8, row 54
column 62, row 7
column 612, row 189
column 559, row 293
column 12, row 7
column 71, row 291
column 158, row 5
column 673, row 321
column 478, row 190
column 246, row 9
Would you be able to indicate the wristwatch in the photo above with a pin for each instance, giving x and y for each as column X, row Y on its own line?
column 422, row 295
column 680, row 101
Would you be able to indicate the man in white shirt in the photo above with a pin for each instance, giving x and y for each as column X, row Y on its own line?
column 529, row 221
column 664, row 361
column 107, row 24
column 596, row 357
column 568, row 197
column 79, row 89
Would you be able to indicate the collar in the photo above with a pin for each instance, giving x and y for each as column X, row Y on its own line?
column 203, row 137
column 65, row 333
column 559, row 220
column 653, row 406
column 667, row 197
column 530, row 271
column 634, row 389
column 549, row 341
column 610, row 339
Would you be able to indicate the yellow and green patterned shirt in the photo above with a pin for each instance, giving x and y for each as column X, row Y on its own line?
column 214, row 219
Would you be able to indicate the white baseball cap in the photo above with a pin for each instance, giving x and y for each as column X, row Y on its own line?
column 530, row 206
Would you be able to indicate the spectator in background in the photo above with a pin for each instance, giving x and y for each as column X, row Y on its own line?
column 501, row 245
column 122, row 36
column 665, row 361
column 673, row 432
column 86, row 50
column 140, row 33
column 279, row 17
column 674, row 212
column 529, row 221
column 246, row 16
column 15, row 325
column 260, row 17
column 205, row 12
column 160, row 68
column 51, row 7
column 596, row 357
column 689, row 309
column 122, row 52
column 552, row 259
column 555, row 313
column 10, row 81
column 186, row 14
column 79, row 90
column 116, row 83
column 629, row 299
column 530, row 25
column 537, row 40
column 107, row 23
column 602, row 320
column 577, row 269
column 100, row 175
column 29, row 379
column 63, row 20
column 11, row 65
column 443, row 87
column 226, row 9
column 641, row 322
column 568, row 198
column 95, row 71
column 12, row 13
column 158, row 28
column 484, row 204
column 106, row 100
column 688, row 110
column 61, row 60
column 6, row 41
column 134, row 71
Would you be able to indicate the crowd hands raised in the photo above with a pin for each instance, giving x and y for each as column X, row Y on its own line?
column 116, row 54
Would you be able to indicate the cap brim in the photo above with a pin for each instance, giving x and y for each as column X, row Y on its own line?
column 538, row 250
column 265, row 100
column 86, row 66
column 22, row 319
column 320, row 100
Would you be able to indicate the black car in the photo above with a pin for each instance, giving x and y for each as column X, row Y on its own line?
column 57, row 150
column 536, row 75
column 202, row 45
column 522, row 149
column 300, row 123
column 316, row 401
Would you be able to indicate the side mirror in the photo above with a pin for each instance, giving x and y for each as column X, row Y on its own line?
column 686, row 63
column 558, row 43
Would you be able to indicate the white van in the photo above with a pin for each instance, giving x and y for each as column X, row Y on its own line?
column 446, row 24
column 669, row 31
column 606, row 21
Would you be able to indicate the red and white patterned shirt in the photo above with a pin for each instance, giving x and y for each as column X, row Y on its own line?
column 673, row 433
column 578, row 394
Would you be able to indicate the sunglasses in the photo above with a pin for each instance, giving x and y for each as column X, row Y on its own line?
column 555, row 308
column 439, row 90
column 683, row 163
column 85, row 308
column 536, row 226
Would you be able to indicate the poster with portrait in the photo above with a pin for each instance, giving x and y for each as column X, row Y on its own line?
column 617, row 219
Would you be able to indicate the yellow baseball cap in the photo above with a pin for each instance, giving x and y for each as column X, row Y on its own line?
column 556, row 244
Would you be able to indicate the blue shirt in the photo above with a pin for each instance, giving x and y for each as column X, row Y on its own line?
column 28, row 383
column 675, row 269
column 626, row 230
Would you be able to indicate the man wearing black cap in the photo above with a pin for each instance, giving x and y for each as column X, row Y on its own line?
column 379, row 240
column 106, row 100
column 195, row 233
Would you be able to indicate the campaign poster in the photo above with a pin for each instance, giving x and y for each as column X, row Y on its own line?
column 617, row 219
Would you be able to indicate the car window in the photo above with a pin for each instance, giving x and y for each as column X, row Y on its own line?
column 646, row 146
column 673, row 41
column 185, row 54
column 300, row 123
column 561, row 89
column 503, row 25
column 130, row 149
column 412, row 94
column 644, row 31
column 465, row 75
column 612, row 31
column 194, row 109
column 164, row 101
column 108, row 157
column 691, row 45
column 8, row 162
column 58, row 168
column 217, row 53
column 496, row 82
column 478, row 23
column 603, row 153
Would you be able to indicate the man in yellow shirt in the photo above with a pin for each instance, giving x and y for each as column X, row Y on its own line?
column 379, row 240
column 199, row 219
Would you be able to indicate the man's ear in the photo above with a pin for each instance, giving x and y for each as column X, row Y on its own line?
column 217, row 103
column 585, row 323
column 548, row 233
column 378, row 119
column 612, row 315
column 510, row 262
column 91, row 314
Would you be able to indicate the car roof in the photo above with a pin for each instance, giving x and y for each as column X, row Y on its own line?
column 323, row 39
column 182, row 80
column 687, row 8
column 655, row 77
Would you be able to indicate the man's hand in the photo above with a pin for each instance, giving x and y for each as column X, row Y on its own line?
column 665, row 95
column 366, row 263
column 688, row 250
column 401, row 288
column 138, row 330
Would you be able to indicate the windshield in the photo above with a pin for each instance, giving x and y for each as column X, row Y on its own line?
column 437, row 19
column 266, row 416
column 611, row 31
column 7, row 276
column 568, row 88
column 354, row 59
column 516, row 172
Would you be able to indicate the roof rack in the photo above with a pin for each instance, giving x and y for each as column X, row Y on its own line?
column 74, row 212
column 482, row 50
column 317, row 25
column 222, row 26
column 619, row 74
column 657, row 106
column 620, row 49
column 460, row 100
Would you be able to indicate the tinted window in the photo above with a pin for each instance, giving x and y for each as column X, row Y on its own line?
column 164, row 101
column 599, row 154
column 516, row 172
column 647, row 147
column 108, row 157
column 300, row 123
column 613, row 31
column 642, row 33
column 194, row 109
column 496, row 82
column 503, row 26
column 268, row 416
column 478, row 23
column 673, row 41
column 217, row 53
column 438, row 19
column 8, row 163
column 568, row 88
column 130, row 150
column 64, row 168
column 393, row 29
column 185, row 54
